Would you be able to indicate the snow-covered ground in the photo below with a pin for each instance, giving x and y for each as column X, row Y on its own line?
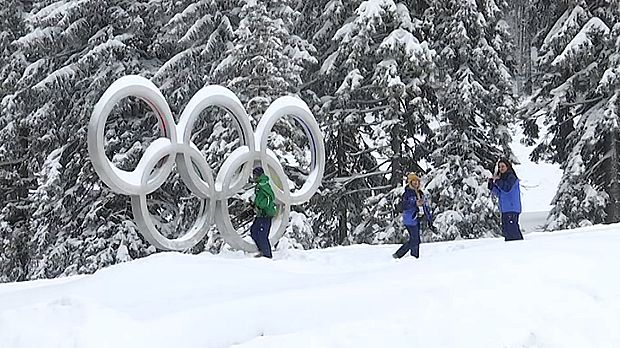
column 552, row 290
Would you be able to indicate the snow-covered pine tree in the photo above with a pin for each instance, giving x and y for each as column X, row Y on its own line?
column 540, row 17
column 333, row 209
column 190, row 41
column 558, row 87
column 14, row 176
column 386, row 69
column 606, row 170
column 578, row 200
column 476, row 105
column 266, row 60
column 13, row 26
column 589, row 191
column 71, row 53
column 345, row 186
column 530, row 21
column 330, row 16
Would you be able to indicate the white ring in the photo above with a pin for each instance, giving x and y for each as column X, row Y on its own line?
column 273, row 169
column 201, row 225
column 122, row 181
column 226, row 99
column 296, row 108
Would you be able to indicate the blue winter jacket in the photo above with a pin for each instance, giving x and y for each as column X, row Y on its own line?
column 508, row 192
column 411, row 209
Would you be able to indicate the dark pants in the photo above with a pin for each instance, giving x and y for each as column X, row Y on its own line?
column 510, row 226
column 260, row 234
column 413, row 244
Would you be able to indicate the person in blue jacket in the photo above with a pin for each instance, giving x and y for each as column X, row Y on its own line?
column 505, row 185
column 413, row 199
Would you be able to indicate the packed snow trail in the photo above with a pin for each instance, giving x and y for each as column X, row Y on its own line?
column 551, row 290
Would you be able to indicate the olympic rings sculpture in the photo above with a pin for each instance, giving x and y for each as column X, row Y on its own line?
column 176, row 147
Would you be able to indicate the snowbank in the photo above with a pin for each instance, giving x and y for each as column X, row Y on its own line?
column 551, row 290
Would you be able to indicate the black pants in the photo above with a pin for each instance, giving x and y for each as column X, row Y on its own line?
column 510, row 226
column 413, row 244
column 260, row 234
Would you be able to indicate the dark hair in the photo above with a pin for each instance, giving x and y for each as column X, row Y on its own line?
column 509, row 165
column 258, row 171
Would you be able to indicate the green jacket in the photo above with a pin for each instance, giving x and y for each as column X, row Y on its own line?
column 264, row 198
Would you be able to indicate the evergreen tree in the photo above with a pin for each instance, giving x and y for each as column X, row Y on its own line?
column 395, row 98
column 191, row 43
column 335, row 205
column 530, row 21
column 475, row 108
column 559, row 86
column 573, row 103
column 13, row 26
column 589, row 192
column 70, row 54
column 14, row 176
column 266, row 60
column 192, row 39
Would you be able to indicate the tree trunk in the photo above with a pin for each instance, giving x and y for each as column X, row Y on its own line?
column 397, row 172
column 342, row 222
column 529, row 83
column 343, row 215
column 613, row 207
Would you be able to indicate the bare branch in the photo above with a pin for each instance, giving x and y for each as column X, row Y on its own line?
column 582, row 102
column 369, row 189
column 349, row 179
column 9, row 163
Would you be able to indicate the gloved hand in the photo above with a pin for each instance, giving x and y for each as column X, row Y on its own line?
column 490, row 183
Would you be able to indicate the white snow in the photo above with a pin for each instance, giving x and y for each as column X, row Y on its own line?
column 328, row 64
column 552, row 290
column 400, row 37
column 33, row 68
column 583, row 40
column 369, row 17
column 404, row 17
column 539, row 181
column 53, row 79
column 54, row 11
column 570, row 19
column 201, row 25
column 172, row 63
column 38, row 37
column 351, row 82
column 372, row 11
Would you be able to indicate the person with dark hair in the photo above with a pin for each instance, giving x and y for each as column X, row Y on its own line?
column 413, row 199
column 505, row 185
column 265, row 206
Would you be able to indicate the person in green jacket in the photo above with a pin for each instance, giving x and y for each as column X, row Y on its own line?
column 265, row 207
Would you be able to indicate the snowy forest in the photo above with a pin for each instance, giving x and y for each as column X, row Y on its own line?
column 431, row 86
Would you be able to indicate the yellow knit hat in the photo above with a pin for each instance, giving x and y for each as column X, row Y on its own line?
column 412, row 177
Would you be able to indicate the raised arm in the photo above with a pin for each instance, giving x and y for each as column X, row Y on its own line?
column 507, row 183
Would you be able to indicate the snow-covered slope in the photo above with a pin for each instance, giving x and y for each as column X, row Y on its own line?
column 539, row 181
column 552, row 290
